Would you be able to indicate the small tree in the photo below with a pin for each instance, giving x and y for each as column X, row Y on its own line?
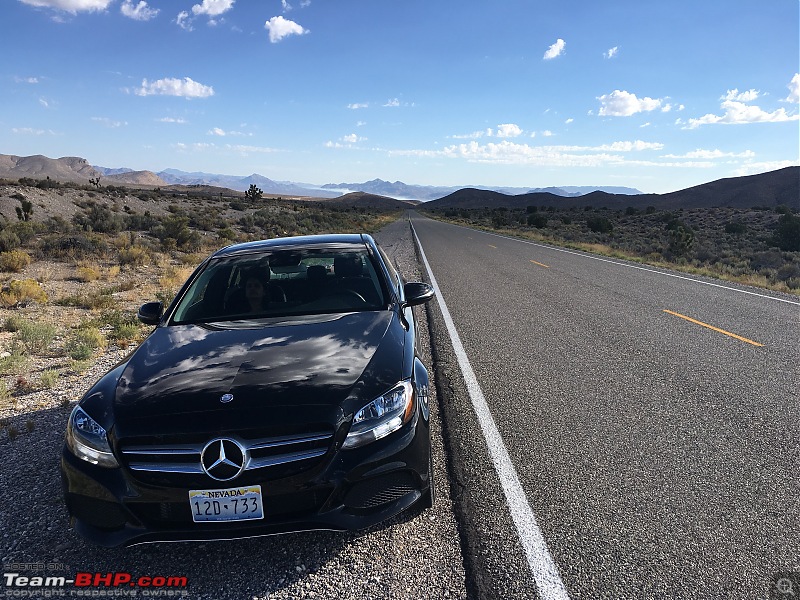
column 253, row 193
column 25, row 210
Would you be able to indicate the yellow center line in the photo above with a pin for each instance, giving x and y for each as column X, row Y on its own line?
column 717, row 329
column 540, row 264
column 490, row 246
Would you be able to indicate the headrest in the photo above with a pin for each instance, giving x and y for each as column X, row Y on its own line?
column 315, row 273
column 347, row 266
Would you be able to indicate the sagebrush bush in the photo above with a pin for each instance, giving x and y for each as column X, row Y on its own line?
column 22, row 292
column 36, row 336
column 14, row 260
column 83, row 343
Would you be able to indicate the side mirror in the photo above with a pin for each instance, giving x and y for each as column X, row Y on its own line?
column 150, row 313
column 417, row 292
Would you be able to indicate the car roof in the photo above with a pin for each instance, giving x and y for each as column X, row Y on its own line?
column 297, row 242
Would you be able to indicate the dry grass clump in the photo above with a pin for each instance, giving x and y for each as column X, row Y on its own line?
column 14, row 260
column 22, row 292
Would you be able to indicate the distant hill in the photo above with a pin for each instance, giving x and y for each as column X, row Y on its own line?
column 364, row 200
column 404, row 191
column 134, row 178
column 765, row 189
column 67, row 168
column 239, row 183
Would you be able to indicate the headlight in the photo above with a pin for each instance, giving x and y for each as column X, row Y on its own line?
column 87, row 440
column 384, row 415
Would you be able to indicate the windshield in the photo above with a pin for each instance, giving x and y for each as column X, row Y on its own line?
column 281, row 283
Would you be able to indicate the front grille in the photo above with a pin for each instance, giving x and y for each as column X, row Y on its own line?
column 261, row 453
column 380, row 490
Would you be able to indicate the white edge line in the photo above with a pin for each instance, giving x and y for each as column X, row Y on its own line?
column 622, row 264
column 544, row 570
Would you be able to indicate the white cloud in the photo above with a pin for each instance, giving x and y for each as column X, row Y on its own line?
column 217, row 131
column 244, row 149
column 794, row 89
column 140, row 12
column 739, row 113
column 31, row 80
column 280, row 28
column 763, row 167
column 286, row 6
column 357, row 105
column 109, row 123
column 568, row 121
column 44, row 102
column 555, row 50
column 360, row 123
column 31, row 131
column 508, row 130
column 735, row 95
column 611, row 52
column 70, row 6
column 624, row 104
column 637, row 146
column 183, row 21
column 712, row 154
column 392, row 102
column 171, row 120
column 212, row 8
column 186, row 88
column 353, row 139
column 474, row 135
column 548, row 133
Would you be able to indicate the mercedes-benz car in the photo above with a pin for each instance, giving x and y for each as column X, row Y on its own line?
column 281, row 390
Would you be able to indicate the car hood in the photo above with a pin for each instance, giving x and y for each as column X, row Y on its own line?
column 325, row 365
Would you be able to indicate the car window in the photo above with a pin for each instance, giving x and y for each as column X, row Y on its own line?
column 297, row 282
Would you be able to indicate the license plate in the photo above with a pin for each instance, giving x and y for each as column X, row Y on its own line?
column 233, row 504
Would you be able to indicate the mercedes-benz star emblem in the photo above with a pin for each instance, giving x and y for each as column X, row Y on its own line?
column 223, row 459
column 226, row 398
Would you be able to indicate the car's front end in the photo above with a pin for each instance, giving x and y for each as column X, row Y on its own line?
column 246, row 428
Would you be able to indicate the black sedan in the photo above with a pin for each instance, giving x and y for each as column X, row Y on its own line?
column 280, row 391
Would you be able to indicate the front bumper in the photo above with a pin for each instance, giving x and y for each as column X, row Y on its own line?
column 350, row 490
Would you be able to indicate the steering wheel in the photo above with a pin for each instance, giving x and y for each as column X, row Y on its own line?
column 348, row 294
column 276, row 293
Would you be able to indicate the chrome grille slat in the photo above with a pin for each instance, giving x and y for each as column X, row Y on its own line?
column 186, row 457
column 192, row 468
column 282, row 459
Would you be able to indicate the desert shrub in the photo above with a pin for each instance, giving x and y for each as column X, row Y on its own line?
column 48, row 378
column 134, row 255
column 36, row 337
column 87, row 272
column 787, row 235
column 735, row 227
column 14, row 260
column 537, row 220
column 788, row 271
column 99, row 218
column 13, row 323
column 83, row 343
column 22, row 293
column 174, row 232
column 9, row 240
column 72, row 246
column 600, row 224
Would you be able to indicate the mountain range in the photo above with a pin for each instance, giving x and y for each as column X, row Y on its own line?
column 78, row 169
column 766, row 189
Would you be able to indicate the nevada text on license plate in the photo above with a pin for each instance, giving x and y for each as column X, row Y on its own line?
column 233, row 504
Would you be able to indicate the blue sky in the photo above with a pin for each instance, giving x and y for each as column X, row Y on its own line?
column 654, row 95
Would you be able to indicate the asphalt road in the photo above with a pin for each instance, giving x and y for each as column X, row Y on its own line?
column 658, row 455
